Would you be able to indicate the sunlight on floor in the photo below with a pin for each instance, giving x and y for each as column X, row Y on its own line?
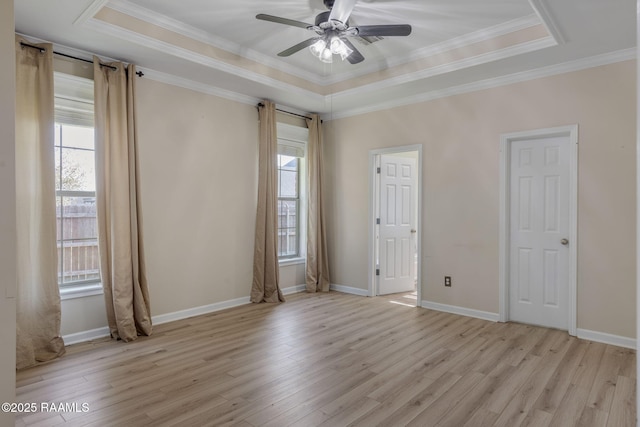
column 408, row 299
column 402, row 303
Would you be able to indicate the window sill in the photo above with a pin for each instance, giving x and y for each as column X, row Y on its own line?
column 292, row 261
column 81, row 291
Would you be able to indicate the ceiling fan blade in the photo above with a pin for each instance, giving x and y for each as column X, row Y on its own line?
column 384, row 30
column 355, row 57
column 341, row 10
column 284, row 21
column 370, row 39
column 298, row 47
column 363, row 40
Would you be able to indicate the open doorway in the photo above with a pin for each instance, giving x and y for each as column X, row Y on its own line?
column 395, row 229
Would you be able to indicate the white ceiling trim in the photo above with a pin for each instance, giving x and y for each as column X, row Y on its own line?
column 207, row 61
column 547, row 19
column 531, row 20
column 566, row 67
column 495, row 55
column 447, row 45
column 90, row 11
column 477, row 36
column 552, row 70
column 179, row 27
column 78, row 53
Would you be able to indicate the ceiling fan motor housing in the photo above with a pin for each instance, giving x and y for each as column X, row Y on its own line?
column 322, row 18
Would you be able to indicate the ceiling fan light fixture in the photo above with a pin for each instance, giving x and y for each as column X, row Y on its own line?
column 339, row 47
column 318, row 47
column 321, row 51
column 327, row 56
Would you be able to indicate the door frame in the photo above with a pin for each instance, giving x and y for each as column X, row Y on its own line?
column 374, row 202
column 570, row 131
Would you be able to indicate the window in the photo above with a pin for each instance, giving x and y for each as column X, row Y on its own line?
column 292, row 142
column 77, row 226
column 288, row 206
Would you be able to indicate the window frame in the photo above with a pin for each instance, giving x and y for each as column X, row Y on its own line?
column 73, row 106
column 297, row 200
column 296, row 138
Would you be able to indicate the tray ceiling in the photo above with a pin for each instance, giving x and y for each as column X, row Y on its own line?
column 219, row 46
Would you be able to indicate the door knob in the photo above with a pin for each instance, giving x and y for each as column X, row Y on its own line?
column 564, row 241
column 413, row 231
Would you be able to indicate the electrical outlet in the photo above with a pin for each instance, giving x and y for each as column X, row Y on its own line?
column 447, row 281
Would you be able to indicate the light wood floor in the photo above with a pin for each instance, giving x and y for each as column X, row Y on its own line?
column 335, row 359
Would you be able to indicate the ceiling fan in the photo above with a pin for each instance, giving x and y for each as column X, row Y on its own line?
column 332, row 29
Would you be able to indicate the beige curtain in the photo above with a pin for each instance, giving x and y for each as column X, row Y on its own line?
column 265, row 287
column 122, row 266
column 317, row 272
column 38, row 300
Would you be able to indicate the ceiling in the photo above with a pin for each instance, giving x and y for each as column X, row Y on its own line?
column 218, row 46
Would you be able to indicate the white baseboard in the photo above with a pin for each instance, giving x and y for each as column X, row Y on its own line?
column 84, row 336
column 197, row 311
column 605, row 338
column 585, row 334
column 92, row 334
column 293, row 289
column 349, row 290
column 462, row 311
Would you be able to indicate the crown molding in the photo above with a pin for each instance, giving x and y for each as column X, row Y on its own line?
column 552, row 70
column 453, row 66
column 447, row 45
column 207, row 61
column 566, row 67
column 539, row 6
column 478, row 36
column 78, row 53
column 224, row 66
column 90, row 11
column 202, row 36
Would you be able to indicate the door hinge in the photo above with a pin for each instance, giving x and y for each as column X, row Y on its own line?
column 378, row 170
column 377, row 271
column 378, row 221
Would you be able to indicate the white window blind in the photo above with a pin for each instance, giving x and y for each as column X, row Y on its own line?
column 291, row 148
column 73, row 100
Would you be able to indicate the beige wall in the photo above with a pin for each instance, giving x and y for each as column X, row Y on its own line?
column 7, row 211
column 198, row 170
column 83, row 314
column 460, row 137
column 198, row 173
column 199, row 227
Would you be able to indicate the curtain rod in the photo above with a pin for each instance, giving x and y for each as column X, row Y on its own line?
column 287, row 112
column 41, row 49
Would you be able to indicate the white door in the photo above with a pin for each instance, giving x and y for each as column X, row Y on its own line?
column 539, row 230
column 397, row 230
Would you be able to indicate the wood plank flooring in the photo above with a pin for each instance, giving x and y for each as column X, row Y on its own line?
column 336, row 360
